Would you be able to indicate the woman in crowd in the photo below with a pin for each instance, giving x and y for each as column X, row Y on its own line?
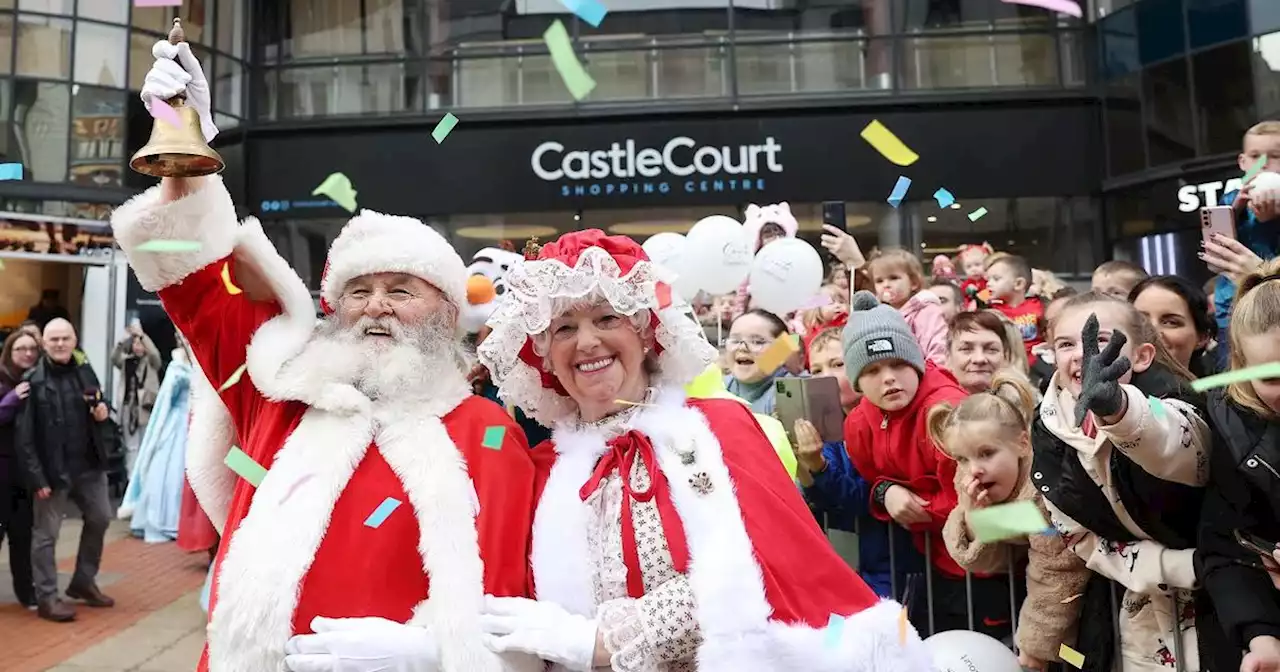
column 1179, row 311
column 665, row 537
column 978, row 345
column 751, row 334
column 1240, row 524
column 20, row 352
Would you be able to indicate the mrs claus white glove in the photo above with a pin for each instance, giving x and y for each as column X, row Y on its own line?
column 167, row 78
column 540, row 628
column 362, row 645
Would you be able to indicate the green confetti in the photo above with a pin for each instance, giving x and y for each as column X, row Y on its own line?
column 171, row 246
column 245, row 466
column 1157, row 408
column 977, row 214
column 338, row 188
column 493, row 437
column 235, row 378
column 576, row 77
column 443, row 128
column 1004, row 521
column 1254, row 169
column 1268, row 370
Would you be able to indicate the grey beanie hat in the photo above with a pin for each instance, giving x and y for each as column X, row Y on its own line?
column 877, row 331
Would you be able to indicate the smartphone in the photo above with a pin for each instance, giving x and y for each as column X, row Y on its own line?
column 1217, row 219
column 1255, row 543
column 833, row 214
column 814, row 399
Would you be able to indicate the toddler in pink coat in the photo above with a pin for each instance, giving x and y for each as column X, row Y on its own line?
column 898, row 277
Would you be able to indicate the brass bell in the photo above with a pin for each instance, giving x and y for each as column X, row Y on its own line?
column 177, row 151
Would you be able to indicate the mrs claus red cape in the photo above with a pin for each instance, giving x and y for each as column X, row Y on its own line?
column 764, row 578
column 297, row 547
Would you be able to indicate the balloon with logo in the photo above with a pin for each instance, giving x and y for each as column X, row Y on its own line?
column 717, row 254
column 785, row 275
column 667, row 249
column 967, row 651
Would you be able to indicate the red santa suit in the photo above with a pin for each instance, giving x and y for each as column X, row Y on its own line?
column 297, row 546
column 672, row 524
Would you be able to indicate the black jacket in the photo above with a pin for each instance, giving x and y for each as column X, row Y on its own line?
column 1243, row 494
column 41, row 435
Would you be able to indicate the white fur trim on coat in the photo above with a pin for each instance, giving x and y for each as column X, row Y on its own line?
column 209, row 438
column 270, row 553
column 376, row 243
column 733, row 612
column 206, row 216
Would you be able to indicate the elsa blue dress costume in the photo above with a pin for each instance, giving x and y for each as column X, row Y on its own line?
column 154, row 495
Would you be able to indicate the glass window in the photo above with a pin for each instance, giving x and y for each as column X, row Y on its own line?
column 1167, row 113
column 159, row 19
column 100, row 54
column 1264, row 15
column 140, row 58
column 915, row 17
column 225, row 121
column 231, row 26
column 47, row 6
column 44, row 46
column 1119, row 44
column 1215, row 21
column 41, row 117
column 1266, row 50
column 1123, row 110
column 810, row 67
column 1109, row 7
column 350, row 89
column 1007, row 59
column 8, row 135
column 1160, row 33
column 6, row 4
column 302, row 29
column 228, row 90
column 1075, row 63
column 516, row 80
column 97, row 136
column 114, row 11
column 6, row 43
column 197, row 20
column 1224, row 95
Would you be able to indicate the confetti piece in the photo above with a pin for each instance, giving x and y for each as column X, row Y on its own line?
column 944, row 197
column 1005, row 521
column 493, row 437
column 1255, row 168
column 899, row 191
column 1268, row 370
column 1157, row 408
column 575, row 77
column 338, row 188
column 245, row 466
column 1064, row 6
column 380, row 514
column 777, row 353
column 588, row 10
column 1073, row 598
column 235, row 378
column 835, row 629
column 296, row 484
column 10, row 171
column 902, row 627
column 161, row 111
column 157, row 3
column 1071, row 657
column 977, row 214
column 170, row 246
column 444, row 127
column 226, row 280
column 662, row 292
column 888, row 144
column 624, row 402
column 818, row 301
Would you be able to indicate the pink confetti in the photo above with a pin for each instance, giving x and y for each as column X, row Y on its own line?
column 162, row 111
column 818, row 301
column 289, row 493
column 157, row 3
column 1065, row 6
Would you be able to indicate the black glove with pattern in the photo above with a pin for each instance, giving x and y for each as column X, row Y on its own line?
column 1100, row 373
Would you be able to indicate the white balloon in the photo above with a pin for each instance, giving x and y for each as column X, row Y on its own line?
column 667, row 249
column 785, row 275
column 718, row 254
column 967, row 651
column 1265, row 181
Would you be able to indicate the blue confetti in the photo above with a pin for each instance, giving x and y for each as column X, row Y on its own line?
column 10, row 171
column 588, row 10
column 380, row 514
column 835, row 628
column 899, row 191
column 944, row 198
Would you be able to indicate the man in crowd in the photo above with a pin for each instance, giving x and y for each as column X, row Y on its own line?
column 386, row 481
column 63, row 437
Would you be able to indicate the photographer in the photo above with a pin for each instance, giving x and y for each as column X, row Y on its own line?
column 138, row 360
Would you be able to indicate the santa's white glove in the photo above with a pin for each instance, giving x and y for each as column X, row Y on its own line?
column 362, row 645
column 167, row 78
column 543, row 629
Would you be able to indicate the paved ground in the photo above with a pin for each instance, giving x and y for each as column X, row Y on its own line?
column 156, row 625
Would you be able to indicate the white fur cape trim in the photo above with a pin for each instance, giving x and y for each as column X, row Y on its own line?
column 372, row 242
column 259, row 579
column 205, row 216
column 734, row 615
column 209, row 438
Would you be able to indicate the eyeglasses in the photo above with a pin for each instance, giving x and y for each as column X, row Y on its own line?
column 359, row 299
column 753, row 343
column 27, row 348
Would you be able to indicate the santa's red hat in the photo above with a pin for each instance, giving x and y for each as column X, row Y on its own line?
column 582, row 264
column 376, row 243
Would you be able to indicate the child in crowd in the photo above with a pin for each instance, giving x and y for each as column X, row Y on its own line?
column 949, row 297
column 972, row 260
column 832, row 315
column 749, row 336
column 836, row 490
column 989, row 437
column 1008, row 279
column 1117, row 278
column 1045, row 284
column 911, row 480
column 1121, row 457
column 1042, row 364
column 763, row 226
column 898, row 276
column 1244, row 487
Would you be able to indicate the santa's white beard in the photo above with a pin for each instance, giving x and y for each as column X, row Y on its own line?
column 413, row 362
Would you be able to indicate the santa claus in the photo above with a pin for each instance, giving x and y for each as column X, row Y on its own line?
column 393, row 499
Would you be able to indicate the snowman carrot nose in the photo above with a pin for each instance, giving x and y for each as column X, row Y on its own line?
column 480, row 290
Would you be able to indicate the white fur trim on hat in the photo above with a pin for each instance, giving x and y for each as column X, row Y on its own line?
column 376, row 243
column 756, row 217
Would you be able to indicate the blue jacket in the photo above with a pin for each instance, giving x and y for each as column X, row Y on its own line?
column 844, row 497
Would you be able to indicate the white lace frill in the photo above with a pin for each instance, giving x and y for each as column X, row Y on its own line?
column 525, row 310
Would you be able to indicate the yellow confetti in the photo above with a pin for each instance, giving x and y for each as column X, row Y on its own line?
column 902, row 627
column 1073, row 598
column 888, row 144
column 776, row 354
column 226, row 280
column 235, row 378
column 1071, row 657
